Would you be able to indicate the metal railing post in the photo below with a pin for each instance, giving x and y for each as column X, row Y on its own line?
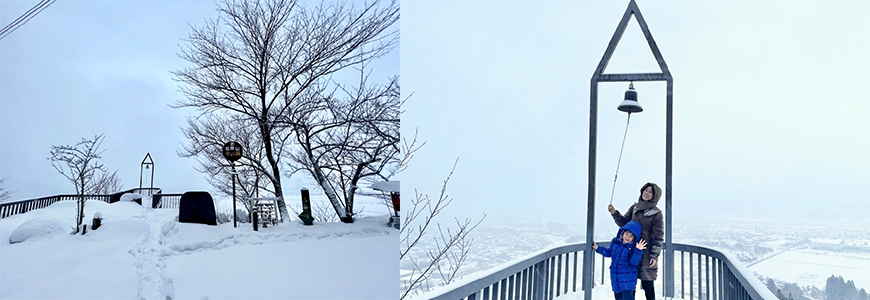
column 538, row 292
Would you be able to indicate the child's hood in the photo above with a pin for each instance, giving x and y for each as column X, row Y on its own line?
column 633, row 227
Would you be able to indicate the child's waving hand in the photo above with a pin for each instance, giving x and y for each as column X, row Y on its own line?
column 641, row 244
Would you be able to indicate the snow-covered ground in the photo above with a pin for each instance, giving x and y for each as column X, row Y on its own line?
column 142, row 253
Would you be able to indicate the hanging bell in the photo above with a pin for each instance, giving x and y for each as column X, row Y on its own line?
column 630, row 104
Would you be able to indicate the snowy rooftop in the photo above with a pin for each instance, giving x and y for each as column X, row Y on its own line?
column 386, row 186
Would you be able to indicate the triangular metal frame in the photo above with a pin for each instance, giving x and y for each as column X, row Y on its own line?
column 614, row 41
column 148, row 158
column 145, row 164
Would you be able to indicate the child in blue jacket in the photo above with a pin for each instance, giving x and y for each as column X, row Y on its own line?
column 625, row 253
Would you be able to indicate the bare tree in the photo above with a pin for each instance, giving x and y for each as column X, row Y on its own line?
column 5, row 193
column 450, row 247
column 79, row 164
column 207, row 136
column 347, row 136
column 106, row 183
column 259, row 56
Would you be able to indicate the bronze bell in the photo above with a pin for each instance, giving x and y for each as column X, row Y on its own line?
column 630, row 104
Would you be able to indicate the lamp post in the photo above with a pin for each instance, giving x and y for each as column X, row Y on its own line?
column 232, row 151
column 598, row 77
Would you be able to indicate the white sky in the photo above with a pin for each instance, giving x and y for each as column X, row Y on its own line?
column 769, row 102
column 83, row 68
column 769, row 106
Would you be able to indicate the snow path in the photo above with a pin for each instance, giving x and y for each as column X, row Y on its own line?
column 166, row 238
column 150, row 261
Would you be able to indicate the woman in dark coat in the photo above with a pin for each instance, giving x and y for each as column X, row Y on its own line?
column 650, row 218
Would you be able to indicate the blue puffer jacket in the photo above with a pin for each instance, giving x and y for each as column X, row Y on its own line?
column 625, row 258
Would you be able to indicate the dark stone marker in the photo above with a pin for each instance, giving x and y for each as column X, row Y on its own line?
column 197, row 207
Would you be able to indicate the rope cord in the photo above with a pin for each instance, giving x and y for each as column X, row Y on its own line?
column 620, row 157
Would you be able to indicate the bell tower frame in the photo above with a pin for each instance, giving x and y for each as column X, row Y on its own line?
column 599, row 76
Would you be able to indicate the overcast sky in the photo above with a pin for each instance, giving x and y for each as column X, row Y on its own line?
column 770, row 107
column 82, row 68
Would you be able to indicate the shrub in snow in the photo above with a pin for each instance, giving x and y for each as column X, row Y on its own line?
column 224, row 217
column 134, row 197
column 36, row 228
column 243, row 215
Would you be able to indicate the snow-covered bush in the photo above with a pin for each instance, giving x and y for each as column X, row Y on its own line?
column 131, row 197
column 243, row 216
column 37, row 228
column 224, row 217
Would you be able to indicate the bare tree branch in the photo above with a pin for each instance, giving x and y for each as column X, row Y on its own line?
column 106, row 183
column 451, row 246
column 5, row 193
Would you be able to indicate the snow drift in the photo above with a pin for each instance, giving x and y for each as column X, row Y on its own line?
column 36, row 228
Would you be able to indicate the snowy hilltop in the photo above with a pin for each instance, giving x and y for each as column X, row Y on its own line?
column 144, row 253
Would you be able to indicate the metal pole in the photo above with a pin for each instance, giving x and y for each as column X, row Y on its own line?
column 669, row 249
column 588, row 262
column 255, row 214
column 233, row 178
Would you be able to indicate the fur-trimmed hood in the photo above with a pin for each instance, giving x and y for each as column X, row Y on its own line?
column 649, row 208
column 657, row 193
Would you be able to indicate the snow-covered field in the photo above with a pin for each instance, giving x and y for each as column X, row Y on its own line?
column 804, row 252
column 142, row 253
column 814, row 267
